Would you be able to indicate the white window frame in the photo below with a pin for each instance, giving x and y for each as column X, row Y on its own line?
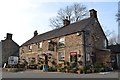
column 40, row 45
column 105, row 43
column 30, row 47
column 59, row 56
column 62, row 40
column 22, row 50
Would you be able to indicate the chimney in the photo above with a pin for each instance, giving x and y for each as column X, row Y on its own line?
column 66, row 22
column 93, row 13
column 35, row 33
column 9, row 36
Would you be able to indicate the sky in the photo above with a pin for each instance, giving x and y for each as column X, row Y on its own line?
column 23, row 17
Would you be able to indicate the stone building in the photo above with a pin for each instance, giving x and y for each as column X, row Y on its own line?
column 8, row 48
column 82, row 42
column 115, row 55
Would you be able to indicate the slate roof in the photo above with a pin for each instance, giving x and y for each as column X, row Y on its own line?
column 115, row 48
column 72, row 28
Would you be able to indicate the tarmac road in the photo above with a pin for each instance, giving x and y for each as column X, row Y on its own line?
column 40, row 74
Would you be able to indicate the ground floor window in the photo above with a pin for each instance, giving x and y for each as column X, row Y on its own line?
column 93, row 57
column 61, row 56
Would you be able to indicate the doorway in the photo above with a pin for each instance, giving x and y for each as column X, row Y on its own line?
column 73, row 59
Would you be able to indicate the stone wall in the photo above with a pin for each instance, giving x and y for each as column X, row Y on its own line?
column 94, row 39
column 103, row 57
column 0, row 54
column 9, row 47
column 72, row 44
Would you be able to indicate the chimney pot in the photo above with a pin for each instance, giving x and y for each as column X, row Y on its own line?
column 93, row 13
column 9, row 36
column 66, row 22
column 35, row 33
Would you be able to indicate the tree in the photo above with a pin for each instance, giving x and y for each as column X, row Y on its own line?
column 108, row 33
column 118, row 20
column 113, row 39
column 73, row 13
column 111, row 36
column 118, row 16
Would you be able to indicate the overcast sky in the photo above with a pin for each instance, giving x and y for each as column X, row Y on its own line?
column 23, row 17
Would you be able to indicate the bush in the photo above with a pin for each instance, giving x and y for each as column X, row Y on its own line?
column 62, row 69
column 32, row 66
column 51, row 68
column 101, row 68
column 13, row 69
column 40, row 67
column 108, row 69
column 73, row 64
column 81, row 70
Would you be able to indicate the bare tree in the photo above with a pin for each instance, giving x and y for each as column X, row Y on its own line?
column 108, row 33
column 118, row 16
column 118, row 20
column 113, row 39
column 73, row 13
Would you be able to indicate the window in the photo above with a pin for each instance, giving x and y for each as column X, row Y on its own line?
column 88, row 57
column 51, row 45
column 22, row 51
column 105, row 43
column 32, row 60
column 30, row 47
column 93, row 57
column 61, row 42
column 61, row 56
column 40, row 45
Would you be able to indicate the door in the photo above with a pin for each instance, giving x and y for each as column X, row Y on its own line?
column 46, row 59
column 118, row 61
column 73, row 59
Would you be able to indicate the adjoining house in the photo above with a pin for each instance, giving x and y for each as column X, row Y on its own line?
column 115, row 55
column 82, row 42
column 8, row 48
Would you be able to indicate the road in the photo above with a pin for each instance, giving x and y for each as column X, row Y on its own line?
column 40, row 74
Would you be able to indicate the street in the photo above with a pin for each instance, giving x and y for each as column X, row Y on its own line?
column 40, row 74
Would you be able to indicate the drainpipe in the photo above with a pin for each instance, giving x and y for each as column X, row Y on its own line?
column 84, row 48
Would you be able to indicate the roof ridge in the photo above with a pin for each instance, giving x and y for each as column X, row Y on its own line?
column 69, row 29
column 64, row 26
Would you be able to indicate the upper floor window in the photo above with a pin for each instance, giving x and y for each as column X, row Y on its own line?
column 61, row 41
column 50, row 45
column 30, row 47
column 22, row 50
column 105, row 43
column 40, row 45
